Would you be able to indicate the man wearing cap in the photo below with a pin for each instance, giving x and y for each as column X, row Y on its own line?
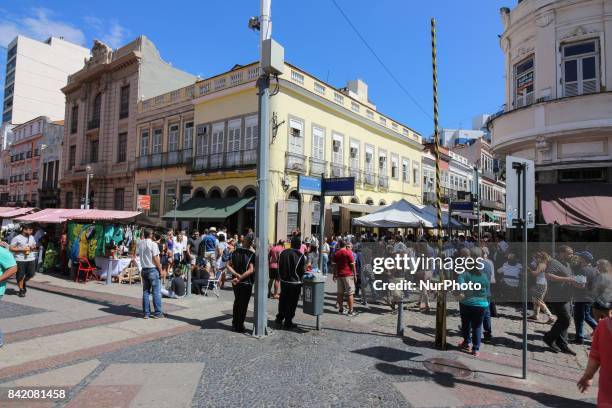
column 23, row 247
column 291, row 268
column 582, row 305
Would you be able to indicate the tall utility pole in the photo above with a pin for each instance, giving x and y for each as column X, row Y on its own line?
column 260, row 328
column 477, row 178
column 441, row 302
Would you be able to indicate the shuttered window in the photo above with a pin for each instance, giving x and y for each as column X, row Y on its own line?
column 580, row 68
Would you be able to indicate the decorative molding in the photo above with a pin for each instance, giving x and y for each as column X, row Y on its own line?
column 578, row 32
column 545, row 19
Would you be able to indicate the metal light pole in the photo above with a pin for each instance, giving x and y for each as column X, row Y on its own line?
column 441, row 302
column 88, row 171
column 477, row 177
column 260, row 328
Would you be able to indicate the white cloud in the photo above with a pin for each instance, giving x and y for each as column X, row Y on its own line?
column 109, row 32
column 40, row 24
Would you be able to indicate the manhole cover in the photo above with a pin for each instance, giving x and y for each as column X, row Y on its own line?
column 447, row 366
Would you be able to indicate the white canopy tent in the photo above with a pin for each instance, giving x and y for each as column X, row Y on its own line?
column 402, row 214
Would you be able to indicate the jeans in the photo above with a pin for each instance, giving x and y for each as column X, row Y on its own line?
column 472, row 318
column 151, row 285
column 325, row 263
column 582, row 313
column 486, row 323
column 558, row 332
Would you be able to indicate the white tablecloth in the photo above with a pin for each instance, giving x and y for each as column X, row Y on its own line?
column 116, row 265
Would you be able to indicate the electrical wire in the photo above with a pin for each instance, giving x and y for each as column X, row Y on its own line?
column 380, row 61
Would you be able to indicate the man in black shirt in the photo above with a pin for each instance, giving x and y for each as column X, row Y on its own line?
column 291, row 269
column 242, row 267
column 560, row 279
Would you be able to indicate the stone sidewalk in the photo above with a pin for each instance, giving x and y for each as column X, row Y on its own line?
column 90, row 339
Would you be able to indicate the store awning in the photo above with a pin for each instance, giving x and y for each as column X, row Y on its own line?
column 12, row 212
column 105, row 215
column 586, row 204
column 490, row 214
column 207, row 208
column 50, row 215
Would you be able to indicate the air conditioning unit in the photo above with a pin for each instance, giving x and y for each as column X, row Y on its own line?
column 297, row 166
column 382, row 160
column 296, row 132
column 368, row 157
column 336, row 145
column 353, row 152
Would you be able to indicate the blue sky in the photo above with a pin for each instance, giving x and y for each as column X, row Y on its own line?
column 208, row 37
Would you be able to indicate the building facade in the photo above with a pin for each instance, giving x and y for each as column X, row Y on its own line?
column 491, row 187
column 24, row 157
column 558, row 104
column 100, row 132
column 49, row 173
column 35, row 73
column 316, row 129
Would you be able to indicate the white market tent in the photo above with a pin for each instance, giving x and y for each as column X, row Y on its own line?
column 402, row 214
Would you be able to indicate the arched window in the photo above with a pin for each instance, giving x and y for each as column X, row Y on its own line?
column 337, row 200
column 215, row 193
column 200, row 193
column 231, row 193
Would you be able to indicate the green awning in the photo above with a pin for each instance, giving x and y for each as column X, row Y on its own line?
column 207, row 208
column 490, row 214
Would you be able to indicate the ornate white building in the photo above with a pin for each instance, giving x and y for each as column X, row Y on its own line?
column 558, row 105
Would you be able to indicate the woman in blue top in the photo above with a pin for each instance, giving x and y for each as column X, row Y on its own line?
column 473, row 304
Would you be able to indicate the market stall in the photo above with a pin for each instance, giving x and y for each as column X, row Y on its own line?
column 102, row 237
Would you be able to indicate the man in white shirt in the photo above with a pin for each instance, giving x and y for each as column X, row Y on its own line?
column 24, row 249
column 148, row 251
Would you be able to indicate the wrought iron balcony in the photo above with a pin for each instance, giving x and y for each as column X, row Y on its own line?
column 239, row 159
column 355, row 172
column 295, row 162
column 166, row 159
column 317, row 167
column 383, row 181
column 93, row 124
column 369, row 178
column 338, row 170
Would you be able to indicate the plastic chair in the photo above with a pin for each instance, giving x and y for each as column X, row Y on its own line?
column 86, row 268
column 213, row 285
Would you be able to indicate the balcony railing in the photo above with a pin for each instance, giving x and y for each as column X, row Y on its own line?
column 317, row 167
column 166, row 159
column 295, row 162
column 93, row 124
column 224, row 161
column 369, row 178
column 49, row 185
column 498, row 205
column 338, row 170
column 383, row 181
column 355, row 172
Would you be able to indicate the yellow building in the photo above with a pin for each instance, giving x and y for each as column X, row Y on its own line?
column 316, row 129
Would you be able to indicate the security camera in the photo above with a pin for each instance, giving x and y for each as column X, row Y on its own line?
column 254, row 23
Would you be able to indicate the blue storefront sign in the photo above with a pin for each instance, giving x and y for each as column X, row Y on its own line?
column 309, row 185
column 462, row 206
column 341, row 186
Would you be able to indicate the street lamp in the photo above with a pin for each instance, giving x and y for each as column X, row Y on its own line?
column 89, row 172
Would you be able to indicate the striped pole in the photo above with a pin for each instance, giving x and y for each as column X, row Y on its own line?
column 441, row 302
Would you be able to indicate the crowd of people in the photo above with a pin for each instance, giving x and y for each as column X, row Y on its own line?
column 570, row 286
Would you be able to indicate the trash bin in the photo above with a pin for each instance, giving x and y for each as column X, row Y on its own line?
column 314, row 295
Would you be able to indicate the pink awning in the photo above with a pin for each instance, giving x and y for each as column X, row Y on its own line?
column 12, row 212
column 587, row 204
column 50, row 215
column 105, row 215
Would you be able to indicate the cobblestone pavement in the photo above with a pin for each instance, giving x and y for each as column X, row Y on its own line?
column 111, row 358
